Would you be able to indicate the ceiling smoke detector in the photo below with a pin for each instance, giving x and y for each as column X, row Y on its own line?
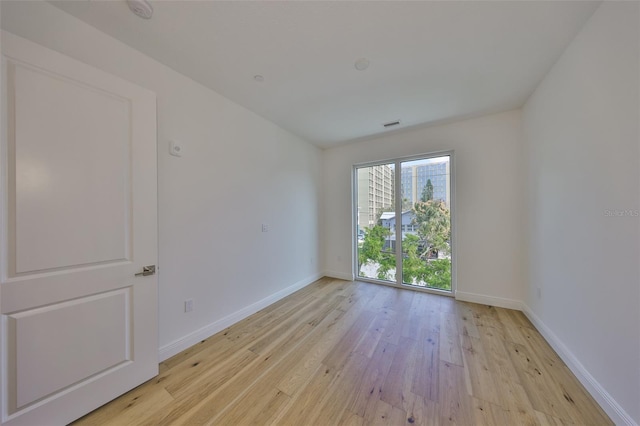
column 142, row 8
column 361, row 64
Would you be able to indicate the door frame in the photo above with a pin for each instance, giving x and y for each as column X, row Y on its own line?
column 398, row 207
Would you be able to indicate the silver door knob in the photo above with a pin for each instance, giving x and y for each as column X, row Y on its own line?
column 147, row 270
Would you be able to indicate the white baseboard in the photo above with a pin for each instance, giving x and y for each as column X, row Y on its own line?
column 209, row 330
column 606, row 401
column 339, row 275
column 499, row 302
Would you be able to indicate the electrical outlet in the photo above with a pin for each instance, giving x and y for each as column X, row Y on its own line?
column 265, row 227
column 188, row 305
column 539, row 292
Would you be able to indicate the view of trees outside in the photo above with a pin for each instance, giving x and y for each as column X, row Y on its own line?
column 425, row 224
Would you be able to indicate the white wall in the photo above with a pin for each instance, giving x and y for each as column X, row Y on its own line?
column 487, row 152
column 238, row 171
column 581, row 129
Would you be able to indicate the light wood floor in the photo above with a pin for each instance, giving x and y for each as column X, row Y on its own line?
column 350, row 353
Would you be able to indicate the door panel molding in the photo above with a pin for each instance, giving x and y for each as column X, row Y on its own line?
column 42, row 336
column 44, row 181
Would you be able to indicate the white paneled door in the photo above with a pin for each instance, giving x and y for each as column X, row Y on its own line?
column 79, row 225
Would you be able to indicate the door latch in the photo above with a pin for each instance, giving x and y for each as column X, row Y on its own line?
column 147, row 270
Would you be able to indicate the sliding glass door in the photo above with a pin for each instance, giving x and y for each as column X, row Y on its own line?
column 405, row 240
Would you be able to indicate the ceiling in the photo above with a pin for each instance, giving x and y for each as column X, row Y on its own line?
column 429, row 60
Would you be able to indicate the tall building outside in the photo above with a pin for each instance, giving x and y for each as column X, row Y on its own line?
column 375, row 193
column 414, row 179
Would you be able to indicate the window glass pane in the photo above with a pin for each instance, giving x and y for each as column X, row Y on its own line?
column 376, row 222
column 426, row 204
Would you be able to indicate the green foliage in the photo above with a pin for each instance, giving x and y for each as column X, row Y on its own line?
column 412, row 264
column 435, row 273
column 427, row 192
column 434, row 226
column 373, row 251
column 433, row 236
column 416, row 270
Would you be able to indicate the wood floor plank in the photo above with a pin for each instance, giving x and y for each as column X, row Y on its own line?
column 386, row 414
column 571, row 389
column 312, row 314
column 425, row 377
column 518, row 409
column 486, row 316
column 543, row 419
column 250, row 326
column 497, row 357
column 216, row 374
column 344, row 347
column 332, row 406
column 412, row 327
column 352, row 353
column 296, row 413
column 367, row 344
column 545, row 393
column 264, row 384
column 368, row 393
column 400, row 375
column 258, row 411
column 382, row 298
column 447, row 304
column 431, row 319
column 488, row 414
column 189, row 352
column 466, row 322
column 385, row 323
column 483, row 379
column 450, row 339
column 350, row 419
column 513, row 398
column 361, row 294
column 509, row 316
column 514, row 330
column 401, row 307
column 315, row 350
column 455, row 401
column 131, row 408
column 196, row 407
column 206, row 385
column 223, row 396
column 421, row 411
column 253, row 327
column 203, row 362
column 254, row 395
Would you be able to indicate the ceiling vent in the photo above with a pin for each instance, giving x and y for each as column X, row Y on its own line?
column 392, row 123
column 142, row 8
